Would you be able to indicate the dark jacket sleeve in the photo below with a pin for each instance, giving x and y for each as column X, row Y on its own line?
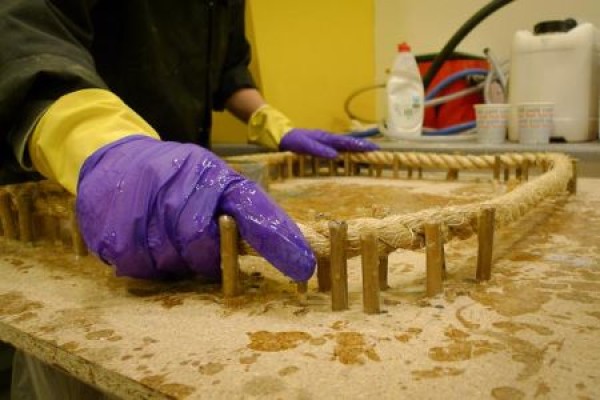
column 235, row 74
column 43, row 55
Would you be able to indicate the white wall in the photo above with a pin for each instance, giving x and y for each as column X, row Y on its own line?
column 428, row 24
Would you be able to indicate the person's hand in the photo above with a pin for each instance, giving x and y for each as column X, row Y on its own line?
column 151, row 209
column 322, row 144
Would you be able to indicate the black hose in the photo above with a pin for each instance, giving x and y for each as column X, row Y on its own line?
column 462, row 32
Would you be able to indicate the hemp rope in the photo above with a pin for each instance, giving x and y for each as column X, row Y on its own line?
column 404, row 231
column 407, row 231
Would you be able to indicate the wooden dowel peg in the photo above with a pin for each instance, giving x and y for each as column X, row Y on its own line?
column 420, row 173
column 301, row 166
column 315, row 166
column 378, row 171
column 290, row 166
column 371, row 170
column 485, row 238
column 383, row 272
column 370, row 273
column 79, row 247
column 444, row 271
column 409, row 172
column 506, row 174
column 395, row 168
column 267, row 178
column 519, row 173
column 452, row 174
column 497, row 167
column 434, row 251
column 24, row 202
column 52, row 228
column 229, row 256
column 324, row 274
column 338, row 232
column 347, row 165
column 302, row 291
column 525, row 170
column 332, row 168
column 572, row 185
column 6, row 216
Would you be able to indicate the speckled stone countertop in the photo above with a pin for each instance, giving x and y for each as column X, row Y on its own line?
column 533, row 331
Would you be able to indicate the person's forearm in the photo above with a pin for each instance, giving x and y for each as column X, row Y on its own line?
column 271, row 129
column 244, row 103
column 77, row 125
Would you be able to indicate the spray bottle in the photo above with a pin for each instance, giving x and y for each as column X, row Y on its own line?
column 405, row 96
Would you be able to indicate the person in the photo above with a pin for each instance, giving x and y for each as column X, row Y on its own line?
column 113, row 100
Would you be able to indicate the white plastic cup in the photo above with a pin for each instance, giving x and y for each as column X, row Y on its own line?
column 536, row 122
column 492, row 120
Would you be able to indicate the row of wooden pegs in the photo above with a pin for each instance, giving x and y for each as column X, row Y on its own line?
column 332, row 274
column 31, row 211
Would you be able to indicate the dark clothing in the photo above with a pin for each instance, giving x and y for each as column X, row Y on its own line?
column 173, row 62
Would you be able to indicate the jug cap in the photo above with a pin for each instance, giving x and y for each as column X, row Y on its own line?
column 554, row 26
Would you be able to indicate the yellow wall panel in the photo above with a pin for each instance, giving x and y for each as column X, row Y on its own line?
column 310, row 56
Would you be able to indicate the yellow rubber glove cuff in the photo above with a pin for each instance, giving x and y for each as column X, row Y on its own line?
column 74, row 127
column 267, row 126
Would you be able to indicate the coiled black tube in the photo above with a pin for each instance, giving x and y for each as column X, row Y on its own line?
column 462, row 32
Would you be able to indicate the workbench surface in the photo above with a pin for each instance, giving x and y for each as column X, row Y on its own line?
column 533, row 331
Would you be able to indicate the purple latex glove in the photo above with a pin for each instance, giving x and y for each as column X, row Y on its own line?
column 322, row 144
column 151, row 209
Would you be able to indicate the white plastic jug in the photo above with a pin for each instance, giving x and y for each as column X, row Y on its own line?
column 560, row 65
